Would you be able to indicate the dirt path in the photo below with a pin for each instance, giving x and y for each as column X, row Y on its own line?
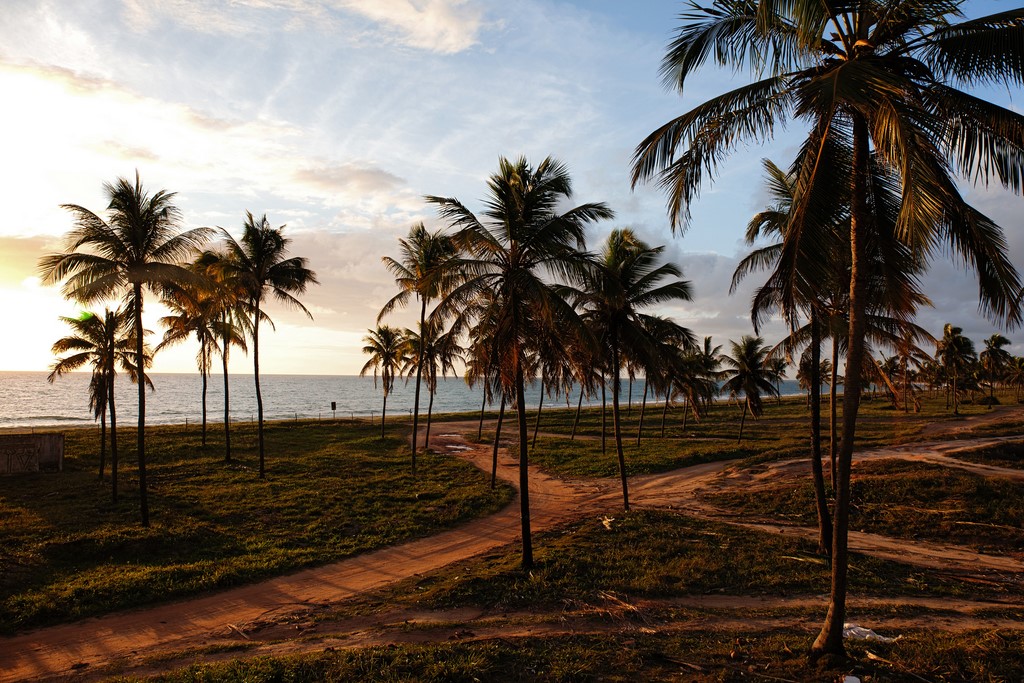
column 616, row 617
column 225, row 617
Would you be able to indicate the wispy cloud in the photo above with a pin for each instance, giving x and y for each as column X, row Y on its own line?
column 445, row 26
column 349, row 178
column 442, row 26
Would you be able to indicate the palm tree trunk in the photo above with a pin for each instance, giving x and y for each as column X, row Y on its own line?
column 141, row 436
column 664, row 414
column 419, row 374
column 524, row 473
column 906, row 405
column 113, row 430
column 227, row 401
column 383, row 413
column 540, row 406
column 830, row 640
column 259, row 394
column 643, row 409
column 430, row 412
column 686, row 412
column 103, row 439
column 833, row 410
column 497, row 439
column 743, row 419
column 576, row 422
column 483, row 404
column 616, row 423
column 204, row 374
column 956, row 397
column 820, row 499
column 629, row 409
column 604, row 416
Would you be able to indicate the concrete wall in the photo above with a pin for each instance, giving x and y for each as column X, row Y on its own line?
column 31, row 452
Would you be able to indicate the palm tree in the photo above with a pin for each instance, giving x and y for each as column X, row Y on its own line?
column 140, row 245
column 627, row 279
column 888, row 75
column 102, row 343
column 505, row 253
column 232, row 320
column 261, row 269
column 1015, row 375
column 427, row 354
column 386, row 347
column 956, row 353
column 748, row 373
column 994, row 360
column 809, row 280
column 420, row 272
column 195, row 309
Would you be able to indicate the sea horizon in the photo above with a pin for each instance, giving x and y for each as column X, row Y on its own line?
column 27, row 400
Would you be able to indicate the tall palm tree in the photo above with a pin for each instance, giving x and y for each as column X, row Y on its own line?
column 233, row 320
column 627, row 279
column 994, row 360
column 260, row 266
column 520, row 238
column 809, row 281
column 140, row 245
column 956, row 353
column 386, row 347
column 747, row 372
column 428, row 353
column 104, row 344
column 864, row 73
column 421, row 273
column 195, row 310
column 1015, row 375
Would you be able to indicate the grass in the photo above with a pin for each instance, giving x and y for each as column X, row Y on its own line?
column 647, row 554
column 905, row 500
column 781, row 433
column 67, row 551
column 1009, row 454
column 702, row 657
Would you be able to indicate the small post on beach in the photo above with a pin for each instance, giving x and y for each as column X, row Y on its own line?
column 334, row 409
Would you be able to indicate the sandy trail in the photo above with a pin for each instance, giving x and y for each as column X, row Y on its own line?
column 91, row 645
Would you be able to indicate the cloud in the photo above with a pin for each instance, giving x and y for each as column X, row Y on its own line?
column 444, row 26
column 441, row 26
column 349, row 178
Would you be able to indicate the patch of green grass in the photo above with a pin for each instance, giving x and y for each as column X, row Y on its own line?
column 783, row 432
column 583, row 458
column 701, row 656
column 1009, row 454
column 906, row 500
column 649, row 554
column 331, row 491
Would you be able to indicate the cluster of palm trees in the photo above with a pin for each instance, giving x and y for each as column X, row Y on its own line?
column 218, row 295
column 514, row 295
column 880, row 86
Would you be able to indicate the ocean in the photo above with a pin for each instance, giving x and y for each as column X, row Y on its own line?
column 28, row 400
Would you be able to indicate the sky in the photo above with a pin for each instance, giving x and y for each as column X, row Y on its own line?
column 335, row 117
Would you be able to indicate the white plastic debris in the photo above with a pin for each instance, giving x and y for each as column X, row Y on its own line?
column 855, row 632
column 849, row 678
